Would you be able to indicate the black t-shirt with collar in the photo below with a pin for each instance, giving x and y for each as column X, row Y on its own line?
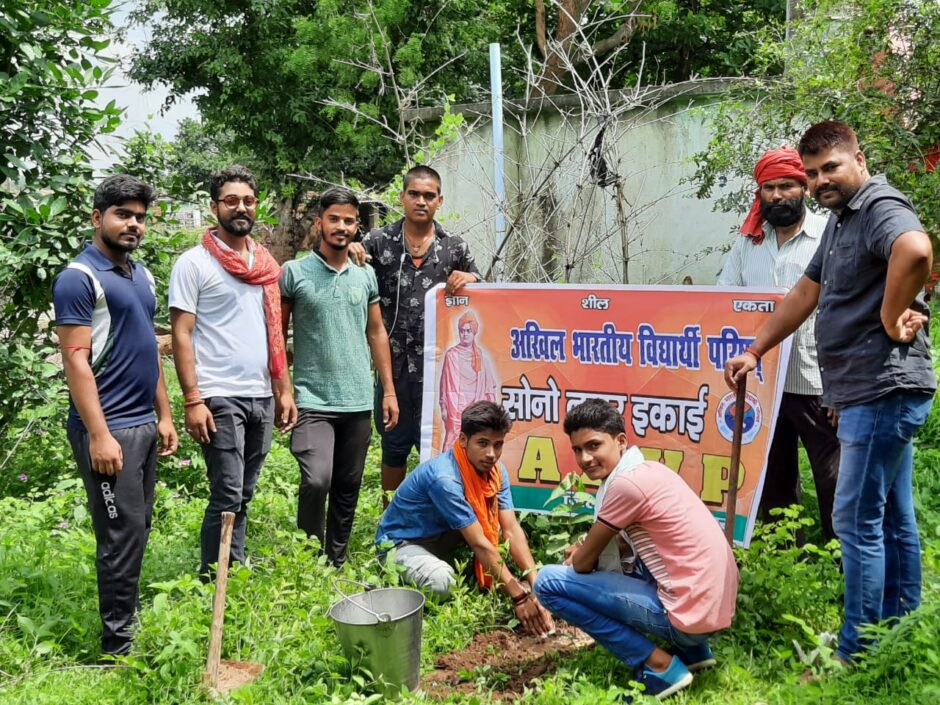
column 403, row 284
column 858, row 360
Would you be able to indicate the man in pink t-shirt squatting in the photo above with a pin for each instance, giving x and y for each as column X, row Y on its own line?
column 655, row 562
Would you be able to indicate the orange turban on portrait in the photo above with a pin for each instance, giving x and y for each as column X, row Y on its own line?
column 470, row 319
column 783, row 163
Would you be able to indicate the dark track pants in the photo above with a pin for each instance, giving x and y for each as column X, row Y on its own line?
column 802, row 417
column 330, row 449
column 121, row 508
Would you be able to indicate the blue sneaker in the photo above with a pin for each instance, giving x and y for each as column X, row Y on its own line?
column 664, row 684
column 695, row 657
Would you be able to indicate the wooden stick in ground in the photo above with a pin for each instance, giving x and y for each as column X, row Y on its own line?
column 211, row 676
column 732, row 506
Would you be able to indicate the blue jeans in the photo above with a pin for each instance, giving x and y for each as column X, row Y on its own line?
column 873, row 515
column 616, row 609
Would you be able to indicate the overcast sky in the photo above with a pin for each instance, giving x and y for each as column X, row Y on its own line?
column 143, row 109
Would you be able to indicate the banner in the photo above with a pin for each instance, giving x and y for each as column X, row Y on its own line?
column 656, row 353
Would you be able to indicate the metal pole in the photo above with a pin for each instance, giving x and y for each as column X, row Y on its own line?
column 499, row 183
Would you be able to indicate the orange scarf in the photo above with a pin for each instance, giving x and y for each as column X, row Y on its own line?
column 265, row 273
column 481, row 494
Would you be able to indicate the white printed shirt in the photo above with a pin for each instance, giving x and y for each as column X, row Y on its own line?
column 768, row 265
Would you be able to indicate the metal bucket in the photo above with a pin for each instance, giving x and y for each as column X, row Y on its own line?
column 382, row 627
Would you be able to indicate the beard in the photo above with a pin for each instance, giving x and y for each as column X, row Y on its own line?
column 845, row 194
column 239, row 224
column 339, row 247
column 783, row 213
column 117, row 245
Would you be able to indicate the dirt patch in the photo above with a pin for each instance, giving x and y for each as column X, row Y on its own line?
column 235, row 674
column 502, row 662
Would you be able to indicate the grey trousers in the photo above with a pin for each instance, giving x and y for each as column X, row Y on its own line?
column 330, row 449
column 234, row 455
column 427, row 562
column 121, row 509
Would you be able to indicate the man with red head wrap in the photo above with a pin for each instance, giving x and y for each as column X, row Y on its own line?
column 467, row 376
column 780, row 237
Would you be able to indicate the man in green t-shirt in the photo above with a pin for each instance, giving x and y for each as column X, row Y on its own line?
column 338, row 331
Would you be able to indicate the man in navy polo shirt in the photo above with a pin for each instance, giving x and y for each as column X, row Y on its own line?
column 104, row 306
column 866, row 283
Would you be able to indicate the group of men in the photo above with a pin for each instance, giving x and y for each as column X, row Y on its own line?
column 230, row 308
column 655, row 562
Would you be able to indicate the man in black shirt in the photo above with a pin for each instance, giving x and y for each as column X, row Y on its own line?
column 410, row 257
column 867, row 279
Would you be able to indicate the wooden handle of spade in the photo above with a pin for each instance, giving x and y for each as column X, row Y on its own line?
column 732, row 507
column 211, row 676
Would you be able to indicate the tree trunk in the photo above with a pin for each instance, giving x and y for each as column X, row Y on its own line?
column 294, row 229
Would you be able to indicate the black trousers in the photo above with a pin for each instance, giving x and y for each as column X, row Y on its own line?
column 330, row 449
column 802, row 417
column 121, row 508
column 234, row 456
column 397, row 443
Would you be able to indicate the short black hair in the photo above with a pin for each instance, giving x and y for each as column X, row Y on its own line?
column 121, row 188
column 422, row 172
column 338, row 195
column 235, row 172
column 826, row 135
column 595, row 414
column 484, row 416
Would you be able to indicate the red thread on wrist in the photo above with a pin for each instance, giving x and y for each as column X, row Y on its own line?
column 194, row 402
column 75, row 347
column 753, row 352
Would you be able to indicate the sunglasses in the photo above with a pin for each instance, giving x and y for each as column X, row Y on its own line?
column 232, row 201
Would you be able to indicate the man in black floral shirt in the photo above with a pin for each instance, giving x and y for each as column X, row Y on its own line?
column 410, row 257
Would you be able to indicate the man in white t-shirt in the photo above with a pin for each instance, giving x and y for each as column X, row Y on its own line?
column 229, row 353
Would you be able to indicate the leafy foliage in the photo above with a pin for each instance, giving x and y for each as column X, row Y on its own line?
column 687, row 38
column 51, row 61
column 263, row 72
column 276, row 611
column 871, row 64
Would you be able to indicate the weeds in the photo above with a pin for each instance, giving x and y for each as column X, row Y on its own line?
column 790, row 598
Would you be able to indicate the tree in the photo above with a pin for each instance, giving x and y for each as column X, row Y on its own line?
column 199, row 151
column 664, row 40
column 320, row 88
column 871, row 64
column 52, row 58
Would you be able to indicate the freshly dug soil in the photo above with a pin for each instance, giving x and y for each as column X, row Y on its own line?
column 502, row 662
column 235, row 674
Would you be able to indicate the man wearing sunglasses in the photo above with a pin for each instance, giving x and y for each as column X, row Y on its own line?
column 410, row 257
column 225, row 314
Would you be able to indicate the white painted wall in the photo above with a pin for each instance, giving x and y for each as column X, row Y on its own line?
column 671, row 233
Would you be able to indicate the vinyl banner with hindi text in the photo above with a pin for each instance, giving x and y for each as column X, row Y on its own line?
column 656, row 353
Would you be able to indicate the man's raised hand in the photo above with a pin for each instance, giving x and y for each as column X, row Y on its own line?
column 736, row 369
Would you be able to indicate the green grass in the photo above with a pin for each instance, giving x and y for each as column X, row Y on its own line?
column 789, row 599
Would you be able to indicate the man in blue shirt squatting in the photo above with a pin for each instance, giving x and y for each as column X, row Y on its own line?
column 463, row 496
column 866, row 280
column 104, row 308
column 338, row 335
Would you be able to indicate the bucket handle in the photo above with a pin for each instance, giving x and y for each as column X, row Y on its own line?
column 382, row 617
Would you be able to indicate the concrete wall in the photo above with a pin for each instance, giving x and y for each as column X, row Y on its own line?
column 567, row 224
